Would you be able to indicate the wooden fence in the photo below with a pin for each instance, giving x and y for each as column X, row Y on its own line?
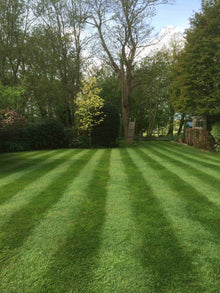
column 199, row 138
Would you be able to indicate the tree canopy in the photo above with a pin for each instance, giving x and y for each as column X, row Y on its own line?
column 196, row 72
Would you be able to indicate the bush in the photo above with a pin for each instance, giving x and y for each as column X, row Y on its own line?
column 11, row 130
column 106, row 133
column 48, row 134
column 80, row 142
column 216, row 135
column 11, row 120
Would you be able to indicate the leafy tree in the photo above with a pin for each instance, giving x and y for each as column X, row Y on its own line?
column 11, row 98
column 15, row 23
column 216, row 134
column 196, row 72
column 110, row 86
column 123, row 29
column 89, row 106
column 151, row 95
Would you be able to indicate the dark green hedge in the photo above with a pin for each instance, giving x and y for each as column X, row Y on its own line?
column 106, row 133
column 48, row 134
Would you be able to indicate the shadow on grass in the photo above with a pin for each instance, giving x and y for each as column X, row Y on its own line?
column 9, row 190
column 20, row 225
column 161, row 251
column 74, row 263
column 197, row 206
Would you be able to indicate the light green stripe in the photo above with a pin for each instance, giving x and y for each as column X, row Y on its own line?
column 190, row 233
column 117, row 262
column 35, row 188
column 35, row 256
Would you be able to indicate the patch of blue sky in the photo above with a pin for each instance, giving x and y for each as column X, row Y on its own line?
column 177, row 14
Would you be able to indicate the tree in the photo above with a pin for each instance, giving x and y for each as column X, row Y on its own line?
column 123, row 30
column 11, row 98
column 15, row 22
column 109, row 84
column 58, row 57
column 151, row 94
column 89, row 106
column 196, row 72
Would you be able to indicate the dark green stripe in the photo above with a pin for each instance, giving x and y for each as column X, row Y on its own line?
column 197, row 206
column 10, row 167
column 192, row 158
column 161, row 251
column 197, row 172
column 12, row 188
column 78, row 254
column 195, row 152
column 20, row 225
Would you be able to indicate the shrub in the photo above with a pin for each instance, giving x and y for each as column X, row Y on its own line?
column 11, row 125
column 11, row 120
column 106, row 133
column 48, row 134
column 216, row 134
column 80, row 142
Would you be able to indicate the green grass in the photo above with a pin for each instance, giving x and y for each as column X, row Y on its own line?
column 137, row 219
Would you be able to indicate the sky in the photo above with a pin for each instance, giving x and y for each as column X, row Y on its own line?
column 176, row 15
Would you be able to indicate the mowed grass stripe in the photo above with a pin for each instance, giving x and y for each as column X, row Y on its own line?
column 24, row 271
column 7, row 157
column 204, row 183
column 206, row 212
column 62, row 164
column 117, row 268
column 9, row 167
column 19, row 226
column 209, row 157
column 31, row 166
column 11, row 189
column 202, row 246
column 166, row 263
column 72, row 267
column 193, row 159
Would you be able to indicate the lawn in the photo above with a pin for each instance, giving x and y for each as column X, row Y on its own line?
column 138, row 219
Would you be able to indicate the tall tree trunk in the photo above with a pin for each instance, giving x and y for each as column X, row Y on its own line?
column 126, row 87
column 125, row 107
column 182, row 120
column 170, row 130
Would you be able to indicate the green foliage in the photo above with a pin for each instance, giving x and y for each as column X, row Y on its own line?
column 216, row 134
column 48, row 134
column 150, row 99
column 11, row 125
column 106, row 133
column 89, row 106
column 196, row 72
column 80, row 142
column 109, row 83
column 10, row 120
column 11, row 97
